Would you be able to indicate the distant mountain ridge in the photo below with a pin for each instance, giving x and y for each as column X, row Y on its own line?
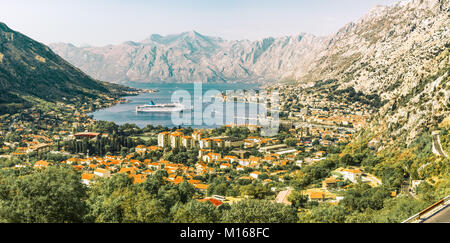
column 191, row 56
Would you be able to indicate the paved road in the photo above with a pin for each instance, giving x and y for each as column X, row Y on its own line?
column 373, row 179
column 306, row 124
column 443, row 216
column 437, row 145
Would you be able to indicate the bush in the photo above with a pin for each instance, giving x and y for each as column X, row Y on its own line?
column 259, row 211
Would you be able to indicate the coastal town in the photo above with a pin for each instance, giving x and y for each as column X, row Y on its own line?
column 102, row 121
column 235, row 156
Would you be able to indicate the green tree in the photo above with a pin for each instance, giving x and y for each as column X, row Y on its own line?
column 298, row 199
column 259, row 211
column 187, row 191
column 52, row 195
column 105, row 198
column 143, row 208
column 325, row 213
column 398, row 209
column 197, row 212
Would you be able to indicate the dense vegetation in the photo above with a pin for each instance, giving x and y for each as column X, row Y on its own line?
column 57, row 195
column 365, row 204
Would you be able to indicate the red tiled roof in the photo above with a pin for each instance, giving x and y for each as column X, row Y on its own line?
column 215, row 202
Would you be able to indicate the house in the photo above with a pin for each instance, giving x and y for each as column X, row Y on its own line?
column 351, row 174
column 39, row 148
column 225, row 166
column 200, row 168
column 139, row 178
column 325, row 143
column 127, row 170
column 316, row 196
column 244, row 162
column 154, row 166
column 330, row 183
column 203, row 152
column 194, row 182
column 269, row 159
column 201, row 187
column 255, row 174
column 197, row 136
column 141, row 148
column 320, row 154
column 254, row 160
column 205, row 143
column 288, row 150
column 102, row 173
column 153, row 148
column 214, row 201
column 219, row 143
column 77, row 167
column 41, row 164
column 278, row 149
column 87, row 178
column 266, row 181
column 241, row 153
column 178, row 180
column 231, row 159
column 172, row 176
column 230, row 142
column 269, row 149
column 210, row 157
column 89, row 135
column 240, row 168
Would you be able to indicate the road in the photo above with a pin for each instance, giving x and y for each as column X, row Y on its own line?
column 443, row 216
column 375, row 181
column 306, row 124
column 437, row 145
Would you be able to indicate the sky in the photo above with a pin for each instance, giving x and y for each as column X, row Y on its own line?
column 103, row 22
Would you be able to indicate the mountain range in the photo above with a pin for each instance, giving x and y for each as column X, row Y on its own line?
column 193, row 57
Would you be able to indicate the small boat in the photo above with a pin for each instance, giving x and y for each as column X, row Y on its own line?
column 152, row 107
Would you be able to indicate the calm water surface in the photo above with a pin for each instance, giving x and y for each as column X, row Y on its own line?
column 126, row 113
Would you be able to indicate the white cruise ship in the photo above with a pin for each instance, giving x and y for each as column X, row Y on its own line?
column 152, row 107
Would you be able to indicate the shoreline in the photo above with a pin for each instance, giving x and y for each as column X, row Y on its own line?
column 127, row 98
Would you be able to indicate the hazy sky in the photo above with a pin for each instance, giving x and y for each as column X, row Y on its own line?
column 101, row 22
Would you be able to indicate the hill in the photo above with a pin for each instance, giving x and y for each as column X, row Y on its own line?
column 400, row 53
column 30, row 70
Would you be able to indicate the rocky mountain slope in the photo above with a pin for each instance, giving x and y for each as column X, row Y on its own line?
column 31, row 69
column 190, row 57
column 401, row 53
